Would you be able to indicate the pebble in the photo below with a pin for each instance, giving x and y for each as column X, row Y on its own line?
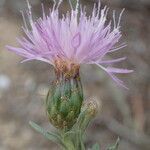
column 5, row 82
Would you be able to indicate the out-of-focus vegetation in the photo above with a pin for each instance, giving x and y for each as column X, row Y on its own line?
column 23, row 87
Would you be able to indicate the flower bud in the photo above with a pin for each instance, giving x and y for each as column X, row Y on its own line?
column 64, row 100
column 88, row 112
column 92, row 107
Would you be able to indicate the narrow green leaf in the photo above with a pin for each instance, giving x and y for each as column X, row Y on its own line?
column 50, row 136
column 95, row 147
column 115, row 146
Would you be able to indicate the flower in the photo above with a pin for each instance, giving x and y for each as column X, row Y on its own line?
column 74, row 38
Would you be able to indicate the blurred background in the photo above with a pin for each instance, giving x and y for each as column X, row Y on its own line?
column 23, row 87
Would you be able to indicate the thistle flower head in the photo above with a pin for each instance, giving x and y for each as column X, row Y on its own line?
column 72, row 39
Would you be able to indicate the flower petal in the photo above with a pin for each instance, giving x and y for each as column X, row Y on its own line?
column 118, row 70
column 112, row 61
column 118, row 81
column 76, row 41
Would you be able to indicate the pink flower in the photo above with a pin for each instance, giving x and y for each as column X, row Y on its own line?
column 74, row 37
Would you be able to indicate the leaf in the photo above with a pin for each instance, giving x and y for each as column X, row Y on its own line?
column 50, row 136
column 115, row 146
column 95, row 147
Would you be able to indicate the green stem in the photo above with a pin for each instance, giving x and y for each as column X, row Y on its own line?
column 82, row 146
column 73, row 142
column 69, row 145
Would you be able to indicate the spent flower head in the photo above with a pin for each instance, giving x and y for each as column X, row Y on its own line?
column 73, row 39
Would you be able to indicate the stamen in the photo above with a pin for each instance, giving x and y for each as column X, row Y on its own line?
column 54, row 4
column 118, row 47
column 120, row 16
column 24, row 20
column 98, row 8
column 114, row 18
column 77, row 6
column 43, row 11
column 60, row 1
column 29, row 12
column 70, row 4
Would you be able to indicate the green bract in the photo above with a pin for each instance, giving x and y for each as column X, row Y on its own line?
column 64, row 101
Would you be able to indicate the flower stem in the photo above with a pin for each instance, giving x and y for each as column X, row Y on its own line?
column 72, row 140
